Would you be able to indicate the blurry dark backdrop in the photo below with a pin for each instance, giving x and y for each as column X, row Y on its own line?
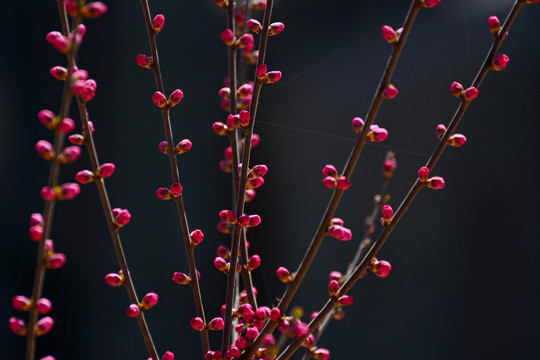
column 464, row 283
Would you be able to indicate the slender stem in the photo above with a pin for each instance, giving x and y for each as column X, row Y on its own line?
column 175, row 175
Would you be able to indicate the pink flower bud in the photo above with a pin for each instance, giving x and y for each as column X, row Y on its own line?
column 196, row 237
column 471, row 93
column 158, row 22
column 164, row 147
column 333, row 288
column 66, row 125
column 183, row 146
column 276, row 28
column 56, row 261
column 254, row 26
column 389, row 34
column 233, row 351
column 357, row 124
column 284, row 275
column 273, row 77
column 330, row 182
column 106, row 170
column 227, row 216
column 382, row 268
column 79, row 74
column 377, row 134
column 176, row 189
column 343, row 183
column 225, row 93
column 221, row 264
column 93, row 10
column 150, row 300
column 175, row 97
column 47, row 117
column 275, row 314
column 345, row 300
column 227, row 37
column 254, row 262
column 121, row 216
column 18, row 326
column 70, row 154
column 48, row 358
column 47, row 193
column 114, row 279
column 59, row 72
column 430, row 3
column 86, row 89
column 159, row 99
column 244, row 118
column 284, row 326
column 329, row 170
column 168, row 356
column 244, row 40
column 163, row 193
column 494, row 25
column 340, row 232
column 43, row 305
column 258, row 171
column 144, row 61
column 435, row 182
column 254, row 220
column 21, row 303
column 388, row 168
column 220, row 128
column 387, row 213
column 336, row 221
column 390, row 92
column 255, row 183
column 181, row 278
column 423, row 174
column 440, row 131
column 457, row 140
column 44, row 325
column 321, row 354
column 500, row 61
column 456, row 89
column 261, row 72
column 197, row 324
column 224, row 227
column 243, row 220
column 69, row 191
column 76, row 139
column 49, row 246
column 133, row 310
column 216, row 324
column 45, row 150
column 59, row 41
column 251, row 334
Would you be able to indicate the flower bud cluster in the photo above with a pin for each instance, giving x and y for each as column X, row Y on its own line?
column 455, row 140
column 161, row 100
column 331, row 179
column 173, row 193
column 243, row 96
column 67, row 191
column 121, row 216
column 461, row 93
column 86, row 176
column 338, row 231
column 53, row 122
column 375, row 134
column 149, row 301
column 244, row 220
column 181, row 148
column 53, row 260
column 435, row 182
column 267, row 77
column 380, row 268
column 89, row 10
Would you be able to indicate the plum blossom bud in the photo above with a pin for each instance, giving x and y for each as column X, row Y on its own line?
column 494, row 25
column 389, row 34
column 471, row 93
column 227, row 216
column 377, row 134
column 114, row 279
column 423, row 174
column 18, row 326
column 284, row 275
column 224, row 93
column 345, row 300
column 86, row 89
column 76, row 139
column 168, row 356
column 59, row 72
column 440, row 131
column 435, row 182
column 150, row 300
column 197, row 324
column 93, row 10
column 333, row 288
column 181, row 278
column 221, row 264
column 47, row 118
column 329, row 170
column 47, row 193
column 330, row 182
column 244, row 41
column 336, row 221
column 133, row 310
column 456, row 89
column 163, row 193
column 158, row 22
column 224, row 252
column 176, row 189
column 388, row 168
column 390, row 92
column 258, row 170
column 175, row 97
column 69, row 191
column 340, row 232
column 335, row 275
column 227, row 37
column 381, row 268
column 121, row 216
column 320, row 354
column 106, row 170
column 387, row 213
column 144, row 61
column 499, row 62
column 21, row 303
column 254, row 26
column 251, row 334
column 430, row 3
column 59, row 41
column 254, row 220
column 273, row 77
column 66, row 125
column 254, row 262
column 44, row 325
column 45, row 150
column 357, row 124
column 261, row 72
column 159, row 99
column 220, row 128
column 196, row 237
column 43, row 306
column 276, row 28
column 343, row 183
column 69, row 155
column 216, row 324
column 84, row 176
column 457, row 140
column 275, row 314
column 55, row 261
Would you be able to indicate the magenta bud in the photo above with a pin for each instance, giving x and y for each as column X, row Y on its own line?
column 133, row 310
column 320, row 354
column 183, row 146
column 66, row 125
column 382, row 268
column 43, row 306
column 336, row 221
column 107, row 170
column 258, row 170
column 45, row 150
column 158, row 22
column 47, row 117
column 224, row 227
column 254, row 262
column 56, row 261
column 435, row 182
column 36, row 219
column 59, row 72
column 330, row 182
column 254, row 26
column 93, row 10
column 456, row 89
column 233, row 351
column 159, row 99
column 144, row 61
column 261, row 71
column 333, row 288
column 471, row 93
column 389, row 34
column 224, row 93
column 345, row 300
column 21, row 303
column 335, row 275
column 114, row 279
column 494, row 25
column 329, row 170
column 273, row 77
column 227, row 216
column 284, row 275
column 227, row 37
column 423, row 174
column 47, row 193
column 59, row 41
column 79, row 74
column 251, row 333
column 276, row 28
column 216, row 324
column 175, row 97
column 221, row 264
column 500, row 61
column 339, row 232
column 163, row 193
column 69, row 191
column 388, row 168
column 275, row 314
column 255, row 183
column 197, row 324
column 357, row 124
column 164, row 147
column 168, row 356
column 457, row 140
column 181, row 278
column 254, row 220
column 196, row 237
column 430, row 3
column 49, row 246
column 343, row 183
column 86, row 89
column 440, row 131
column 220, row 128
column 243, row 220
column 18, row 326
column 150, row 300
column 244, row 118
column 244, row 41
column 70, row 154
column 44, row 325
column 377, row 134
column 121, row 216
column 390, row 92
column 224, row 252
column 76, row 139
column 176, row 189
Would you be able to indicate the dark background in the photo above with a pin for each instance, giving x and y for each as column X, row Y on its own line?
column 464, row 283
